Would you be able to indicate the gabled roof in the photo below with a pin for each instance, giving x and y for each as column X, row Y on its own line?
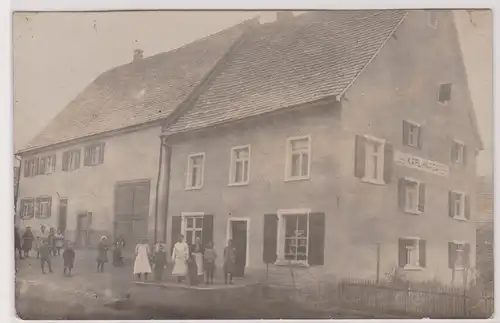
column 142, row 91
column 310, row 57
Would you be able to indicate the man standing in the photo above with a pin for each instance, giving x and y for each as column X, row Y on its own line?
column 45, row 252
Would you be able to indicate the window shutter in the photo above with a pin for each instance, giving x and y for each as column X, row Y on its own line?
column 101, row 157
column 388, row 161
column 37, row 161
column 467, row 207
column 359, row 158
column 208, row 229
column 453, row 152
column 451, row 205
column 406, row 132
column 270, row 238
column 77, row 158
column 316, row 241
column 419, row 137
column 403, row 255
column 421, row 197
column 26, row 169
column 464, row 156
column 452, row 254
column 402, row 194
column 54, row 160
column 421, row 253
column 467, row 255
column 65, row 161
column 176, row 230
column 86, row 157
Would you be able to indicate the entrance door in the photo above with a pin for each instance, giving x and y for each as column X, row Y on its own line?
column 239, row 237
column 83, row 225
column 63, row 215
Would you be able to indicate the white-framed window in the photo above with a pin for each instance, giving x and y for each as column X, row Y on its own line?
column 71, row 160
column 412, row 195
column 293, row 236
column 458, row 205
column 298, row 158
column 192, row 228
column 43, row 207
column 239, row 169
column 444, row 93
column 432, row 18
column 47, row 165
column 195, row 171
column 27, row 208
column 458, row 152
column 458, row 254
column 412, row 253
column 94, row 154
column 374, row 160
column 411, row 133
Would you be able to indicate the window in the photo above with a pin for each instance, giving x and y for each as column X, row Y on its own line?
column 47, row 165
column 459, row 205
column 373, row 159
column 458, row 153
column 94, row 154
column 193, row 228
column 412, row 253
column 196, row 165
column 432, row 19
column 444, row 95
column 240, row 165
column 30, row 167
column 43, row 207
column 411, row 134
column 71, row 160
column 27, row 208
column 298, row 158
column 458, row 255
column 296, row 229
column 411, row 195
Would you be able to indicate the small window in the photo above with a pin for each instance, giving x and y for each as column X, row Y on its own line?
column 296, row 237
column 458, row 255
column 298, row 158
column 412, row 196
column 71, row 160
column 411, row 134
column 94, row 154
column 374, row 166
column 432, row 18
column 459, row 205
column 444, row 95
column 47, row 165
column 458, row 153
column 196, row 165
column 412, row 253
column 27, row 208
column 193, row 228
column 30, row 167
column 240, row 165
column 43, row 207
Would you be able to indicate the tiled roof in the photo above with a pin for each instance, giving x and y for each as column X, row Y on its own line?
column 309, row 57
column 145, row 90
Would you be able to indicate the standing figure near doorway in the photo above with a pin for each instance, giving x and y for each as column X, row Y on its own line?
column 160, row 260
column 180, row 256
column 209, row 256
column 28, row 239
column 42, row 235
column 229, row 260
column 102, row 254
column 197, row 251
column 141, row 264
column 117, row 251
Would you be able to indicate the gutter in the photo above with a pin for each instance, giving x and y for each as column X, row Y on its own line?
column 16, row 190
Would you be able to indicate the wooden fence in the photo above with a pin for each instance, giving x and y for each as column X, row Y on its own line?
column 415, row 301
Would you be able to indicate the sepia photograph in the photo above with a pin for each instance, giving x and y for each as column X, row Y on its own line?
column 326, row 164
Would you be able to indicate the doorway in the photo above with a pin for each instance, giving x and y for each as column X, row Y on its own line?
column 63, row 215
column 238, row 233
column 83, row 225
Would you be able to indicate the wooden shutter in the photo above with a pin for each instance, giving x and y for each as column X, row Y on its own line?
column 316, row 235
column 360, row 156
column 452, row 254
column 419, row 137
column 37, row 160
column 31, row 209
column 86, row 157
column 54, row 160
column 65, row 161
column 176, row 230
column 26, row 169
column 77, row 158
column 464, row 156
column 467, row 207
column 270, row 244
column 208, row 229
column 101, row 156
column 406, row 133
column 421, row 197
column 402, row 194
column 451, row 205
column 422, row 253
column 402, row 252
column 467, row 255
column 388, row 161
column 454, row 152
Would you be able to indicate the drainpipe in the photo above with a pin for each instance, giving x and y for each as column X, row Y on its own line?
column 162, row 190
column 16, row 189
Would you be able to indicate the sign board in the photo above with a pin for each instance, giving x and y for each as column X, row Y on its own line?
column 419, row 163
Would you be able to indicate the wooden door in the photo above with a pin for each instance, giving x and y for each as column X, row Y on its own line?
column 239, row 237
column 63, row 215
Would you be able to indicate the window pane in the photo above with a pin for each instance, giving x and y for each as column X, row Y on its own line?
column 302, row 225
column 299, row 144
column 241, row 153
column 238, row 176
column 189, row 222
column 189, row 236
column 295, row 167
column 305, row 165
column 199, row 223
column 290, row 225
column 194, row 177
column 197, row 234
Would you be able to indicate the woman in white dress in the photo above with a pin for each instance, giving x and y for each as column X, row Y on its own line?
column 180, row 255
column 141, row 264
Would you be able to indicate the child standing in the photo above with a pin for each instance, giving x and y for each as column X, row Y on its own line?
column 192, row 271
column 160, row 260
column 45, row 252
column 210, row 255
column 69, row 259
column 59, row 242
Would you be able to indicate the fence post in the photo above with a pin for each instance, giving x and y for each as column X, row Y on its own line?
column 378, row 263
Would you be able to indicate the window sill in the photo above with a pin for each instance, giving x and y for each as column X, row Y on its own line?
column 444, row 104
column 460, row 218
column 297, row 179
column 372, row 181
column 292, row 263
column 412, row 268
column 193, row 188
column 413, row 212
column 238, row 184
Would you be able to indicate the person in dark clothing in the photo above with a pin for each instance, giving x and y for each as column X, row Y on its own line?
column 160, row 260
column 229, row 259
column 45, row 252
column 28, row 239
column 209, row 257
column 102, row 256
column 17, row 242
column 69, row 259
column 52, row 241
column 117, row 252
column 192, row 271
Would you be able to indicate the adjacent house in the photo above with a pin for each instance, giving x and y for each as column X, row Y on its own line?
column 485, row 231
column 311, row 142
column 328, row 135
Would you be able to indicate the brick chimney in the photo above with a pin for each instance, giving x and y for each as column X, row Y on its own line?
column 138, row 54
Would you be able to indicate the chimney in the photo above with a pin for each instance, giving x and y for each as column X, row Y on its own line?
column 284, row 15
column 138, row 54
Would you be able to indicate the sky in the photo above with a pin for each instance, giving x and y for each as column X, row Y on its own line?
column 56, row 55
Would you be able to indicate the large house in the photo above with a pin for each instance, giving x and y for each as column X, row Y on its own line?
column 311, row 141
